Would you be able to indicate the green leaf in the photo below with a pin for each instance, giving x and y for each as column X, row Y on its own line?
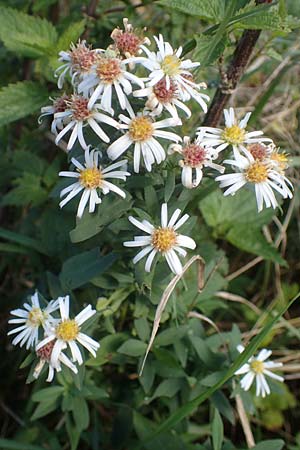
column 91, row 224
column 80, row 269
column 80, row 413
column 21, row 239
column 71, row 35
column 206, row 9
column 169, row 336
column 223, row 405
column 8, row 444
column 269, row 20
column 217, row 431
column 203, row 44
column 20, row 100
column 221, row 33
column 189, row 407
column 50, row 393
column 167, row 388
column 252, row 241
column 145, row 428
column 44, row 408
column 133, row 347
column 27, row 35
column 235, row 218
column 169, row 186
column 108, row 346
column 28, row 191
column 272, row 444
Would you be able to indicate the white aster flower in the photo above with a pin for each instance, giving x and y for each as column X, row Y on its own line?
column 59, row 105
column 257, row 369
column 92, row 179
column 258, row 174
column 44, row 354
column 109, row 74
column 194, row 158
column 141, row 132
column 78, row 115
column 164, row 240
column 129, row 41
column 66, row 333
column 234, row 133
column 30, row 319
column 78, row 61
column 160, row 98
column 166, row 63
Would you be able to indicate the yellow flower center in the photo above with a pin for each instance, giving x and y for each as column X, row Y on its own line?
column 257, row 366
column 35, row 317
column 91, row 178
column 234, row 134
column 257, row 172
column 171, row 65
column 67, row 330
column 280, row 158
column 163, row 239
column 141, row 129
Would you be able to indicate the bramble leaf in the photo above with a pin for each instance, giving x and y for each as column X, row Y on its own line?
column 21, row 99
column 27, row 35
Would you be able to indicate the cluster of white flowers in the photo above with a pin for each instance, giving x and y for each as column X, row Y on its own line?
column 102, row 81
column 51, row 333
column 256, row 161
column 108, row 81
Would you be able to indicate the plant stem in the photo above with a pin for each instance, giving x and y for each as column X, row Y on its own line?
column 235, row 70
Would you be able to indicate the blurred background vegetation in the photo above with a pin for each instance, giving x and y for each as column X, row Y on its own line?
column 248, row 273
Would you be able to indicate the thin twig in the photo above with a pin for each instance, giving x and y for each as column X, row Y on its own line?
column 12, row 414
column 237, row 298
column 244, row 421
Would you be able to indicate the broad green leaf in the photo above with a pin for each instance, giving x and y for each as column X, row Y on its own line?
column 91, row 224
column 44, row 408
column 81, row 268
column 25, row 34
column 108, row 346
column 169, row 336
column 203, row 44
column 206, row 9
column 235, row 218
column 20, row 100
column 189, row 407
column 252, row 241
column 80, row 413
column 167, row 388
column 142, row 327
column 221, row 402
column 217, row 431
column 47, row 394
column 133, row 347
column 269, row 20
column 28, row 191
column 274, row 444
